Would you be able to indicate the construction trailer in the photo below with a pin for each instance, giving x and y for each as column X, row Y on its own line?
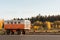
column 19, row 26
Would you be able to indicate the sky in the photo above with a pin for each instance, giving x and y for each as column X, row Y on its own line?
column 28, row 8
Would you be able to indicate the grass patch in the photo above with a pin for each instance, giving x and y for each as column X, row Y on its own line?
column 1, row 32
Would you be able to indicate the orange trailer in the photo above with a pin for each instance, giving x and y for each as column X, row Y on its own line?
column 18, row 26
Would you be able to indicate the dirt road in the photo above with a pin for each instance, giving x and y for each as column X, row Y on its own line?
column 29, row 37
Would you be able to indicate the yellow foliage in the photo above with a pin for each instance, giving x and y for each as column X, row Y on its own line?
column 1, row 23
column 36, row 27
column 48, row 25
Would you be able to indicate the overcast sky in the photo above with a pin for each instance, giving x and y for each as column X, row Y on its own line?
column 27, row 8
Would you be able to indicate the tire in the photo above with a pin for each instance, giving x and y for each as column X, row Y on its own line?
column 12, row 33
column 23, row 32
column 7, row 32
column 18, row 32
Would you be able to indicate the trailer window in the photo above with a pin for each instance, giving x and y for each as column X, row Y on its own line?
column 11, row 22
column 7, row 22
column 18, row 22
column 14, row 22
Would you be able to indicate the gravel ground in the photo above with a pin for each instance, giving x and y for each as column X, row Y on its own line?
column 29, row 37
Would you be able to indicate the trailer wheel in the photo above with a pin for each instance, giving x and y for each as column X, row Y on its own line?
column 23, row 32
column 12, row 33
column 18, row 32
column 7, row 32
